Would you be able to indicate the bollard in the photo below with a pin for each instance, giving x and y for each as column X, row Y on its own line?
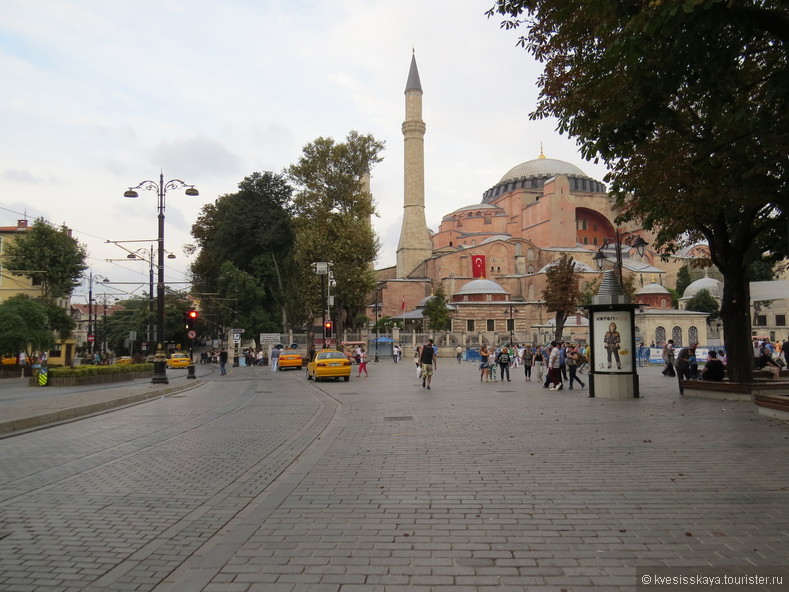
column 190, row 372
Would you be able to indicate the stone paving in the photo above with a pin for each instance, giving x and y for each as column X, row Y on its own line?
column 262, row 481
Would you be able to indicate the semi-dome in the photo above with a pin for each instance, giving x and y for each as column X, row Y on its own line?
column 713, row 286
column 540, row 167
column 481, row 286
column 652, row 288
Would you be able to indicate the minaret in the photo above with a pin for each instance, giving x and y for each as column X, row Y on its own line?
column 415, row 246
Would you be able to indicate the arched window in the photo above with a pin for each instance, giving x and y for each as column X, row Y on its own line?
column 530, row 269
column 660, row 335
column 518, row 248
column 530, row 255
column 676, row 335
column 693, row 335
column 531, row 291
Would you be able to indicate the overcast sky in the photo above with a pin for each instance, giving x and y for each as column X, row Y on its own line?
column 99, row 95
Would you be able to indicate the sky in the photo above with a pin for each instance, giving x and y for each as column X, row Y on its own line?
column 101, row 95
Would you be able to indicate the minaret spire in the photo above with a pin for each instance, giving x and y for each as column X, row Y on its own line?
column 415, row 246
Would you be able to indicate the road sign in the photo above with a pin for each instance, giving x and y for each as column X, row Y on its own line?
column 272, row 338
column 191, row 334
column 236, row 337
column 236, row 330
column 91, row 338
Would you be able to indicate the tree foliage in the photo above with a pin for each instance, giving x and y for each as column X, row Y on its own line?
column 24, row 326
column 49, row 256
column 683, row 279
column 703, row 301
column 562, row 293
column 693, row 124
column 332, row 223
column 244, row 268
column 438, row 315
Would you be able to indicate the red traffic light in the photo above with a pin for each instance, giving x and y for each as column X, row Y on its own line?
column 327, row 325
column 192, row 314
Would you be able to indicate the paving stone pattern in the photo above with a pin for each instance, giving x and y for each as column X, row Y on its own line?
column 264, row 482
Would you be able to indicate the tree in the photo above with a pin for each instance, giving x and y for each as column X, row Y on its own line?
column 436, row 311
column 332, row 223
column 562, row 293
column 693, row 124
column 49, row 256
column 24, row 324
column 683, row 279
column 703, row 301
column 245, row 264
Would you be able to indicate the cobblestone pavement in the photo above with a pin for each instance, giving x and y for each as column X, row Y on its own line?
column 262, row 481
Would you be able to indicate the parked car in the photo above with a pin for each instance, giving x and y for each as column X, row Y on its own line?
column 178, row 360
column 289, row 358
column 329, row 364
column 124, row 360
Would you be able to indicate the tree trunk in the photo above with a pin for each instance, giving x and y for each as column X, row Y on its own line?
column 561, row 319
column 735, row 314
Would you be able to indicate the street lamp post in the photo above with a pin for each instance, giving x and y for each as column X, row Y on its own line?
column 512, row 324
column 636, row 242
column 161, row 188
column 90, row 335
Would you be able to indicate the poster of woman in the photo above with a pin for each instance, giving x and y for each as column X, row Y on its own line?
column 613, row 340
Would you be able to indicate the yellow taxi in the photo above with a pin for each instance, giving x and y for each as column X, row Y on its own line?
column 178, row 360
column 124, row 360
column 289, row 358
column 9, row 360
column 329, row 363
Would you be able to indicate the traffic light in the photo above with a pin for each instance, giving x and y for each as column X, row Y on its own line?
column 327, row 326
column 190, row 316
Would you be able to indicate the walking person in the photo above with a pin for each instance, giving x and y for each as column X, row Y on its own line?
column 572, row 367
column 362, row 362
column 539, row 363
column 554, row 368
column 275, row 358
column 459, row 353
column 683, row 365
column 427, row 362
column 527, row 357
column 492, row 365
column 504, row 363
column 483, row 364
column 223, row 362
column 668, row 358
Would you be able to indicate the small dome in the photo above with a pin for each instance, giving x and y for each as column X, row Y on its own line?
column 540, row 167
column 579, row 267
column 481, row 286
column 652, row 289
column 713, row 286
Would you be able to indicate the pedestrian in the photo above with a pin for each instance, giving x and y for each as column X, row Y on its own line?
column 504, row 359
column 492, row 365
column 572, row 366
column 563, row 359
column 668, row 358
column 554, row 368
column 527, row 357
column 223, row 362
column 459, row 353
column 483, row 364
column 428, row 362
column 275, row 358
column 396, row 353
column 362, row 362
column 682, row 363
column 539, row 363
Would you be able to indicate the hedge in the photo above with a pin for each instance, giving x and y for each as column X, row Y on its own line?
column 81, row 371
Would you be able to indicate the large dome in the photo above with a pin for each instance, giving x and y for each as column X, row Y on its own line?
column 540, row 167
column 713, row 286
column 481, row 286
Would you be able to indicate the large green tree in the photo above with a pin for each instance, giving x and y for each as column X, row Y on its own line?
column 562, row 293
column 48, row 255
column 332, row 223
column 687, row 102
column 24, row 326
column 244, row 273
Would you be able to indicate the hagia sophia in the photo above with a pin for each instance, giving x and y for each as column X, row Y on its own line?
column 491, row 255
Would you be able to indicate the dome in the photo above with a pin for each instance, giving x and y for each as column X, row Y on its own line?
column 578, row 266
column 652, row 288
column 713, row 286
column 481, row 286
column 541, row 167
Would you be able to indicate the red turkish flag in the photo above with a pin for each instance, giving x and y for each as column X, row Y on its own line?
column 478, row 266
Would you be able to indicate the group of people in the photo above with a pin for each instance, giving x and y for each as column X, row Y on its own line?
column 557, row 362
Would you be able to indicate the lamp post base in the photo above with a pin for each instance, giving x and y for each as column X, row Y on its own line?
column 160, row 367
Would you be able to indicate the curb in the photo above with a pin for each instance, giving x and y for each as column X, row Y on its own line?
column 25, row 424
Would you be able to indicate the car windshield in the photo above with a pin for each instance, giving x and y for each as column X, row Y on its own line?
column 330, row 355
